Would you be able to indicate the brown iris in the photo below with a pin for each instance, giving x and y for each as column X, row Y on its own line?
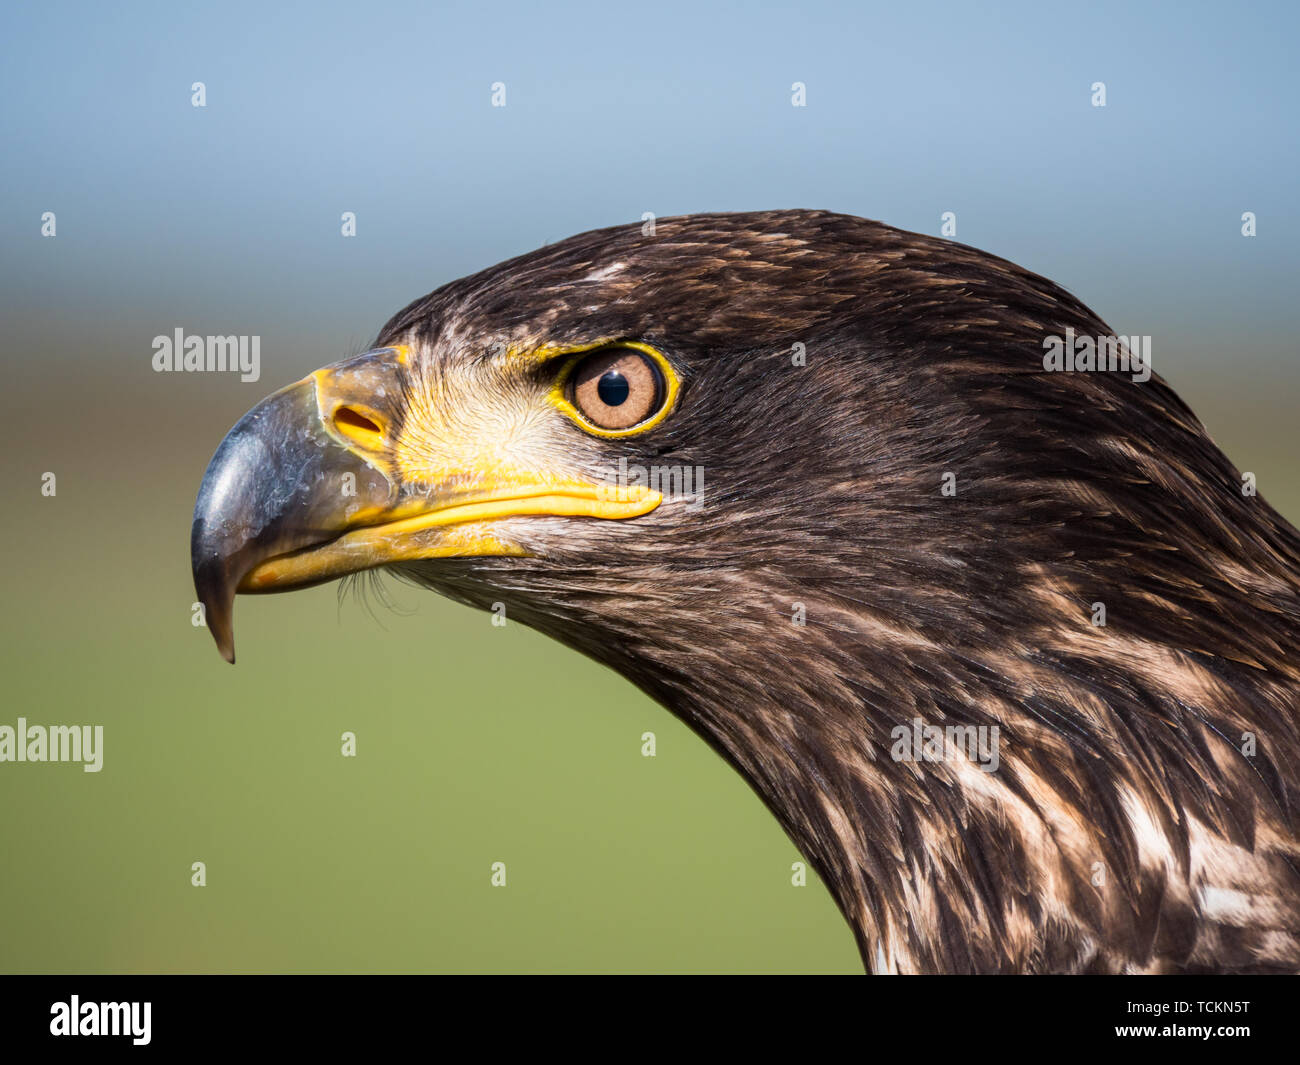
column 617, row 388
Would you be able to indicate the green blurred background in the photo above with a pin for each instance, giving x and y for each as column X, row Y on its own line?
column 479, row 744
column 475, row 744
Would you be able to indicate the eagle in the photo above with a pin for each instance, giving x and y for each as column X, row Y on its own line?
column 816, row 485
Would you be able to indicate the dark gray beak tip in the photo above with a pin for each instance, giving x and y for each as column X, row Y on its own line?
column 216, row 591
column 274, row 486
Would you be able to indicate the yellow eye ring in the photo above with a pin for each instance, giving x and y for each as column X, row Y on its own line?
column 559, row 399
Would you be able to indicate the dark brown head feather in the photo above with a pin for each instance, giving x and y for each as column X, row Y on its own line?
column 1125, row 829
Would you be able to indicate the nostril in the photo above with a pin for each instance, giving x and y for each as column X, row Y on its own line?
column 354, row 424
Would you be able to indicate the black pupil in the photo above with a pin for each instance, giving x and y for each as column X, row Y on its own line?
column 612, row 388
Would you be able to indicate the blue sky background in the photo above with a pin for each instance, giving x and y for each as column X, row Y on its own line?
column 228, row 216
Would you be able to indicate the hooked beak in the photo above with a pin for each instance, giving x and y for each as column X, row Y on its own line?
column 305, row 489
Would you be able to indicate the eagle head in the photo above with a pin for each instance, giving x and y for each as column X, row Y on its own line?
column 811, row 482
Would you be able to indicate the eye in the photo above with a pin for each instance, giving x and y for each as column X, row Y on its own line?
column 617, row 389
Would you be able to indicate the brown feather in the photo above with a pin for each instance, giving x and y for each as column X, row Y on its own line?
column 1125, row 830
